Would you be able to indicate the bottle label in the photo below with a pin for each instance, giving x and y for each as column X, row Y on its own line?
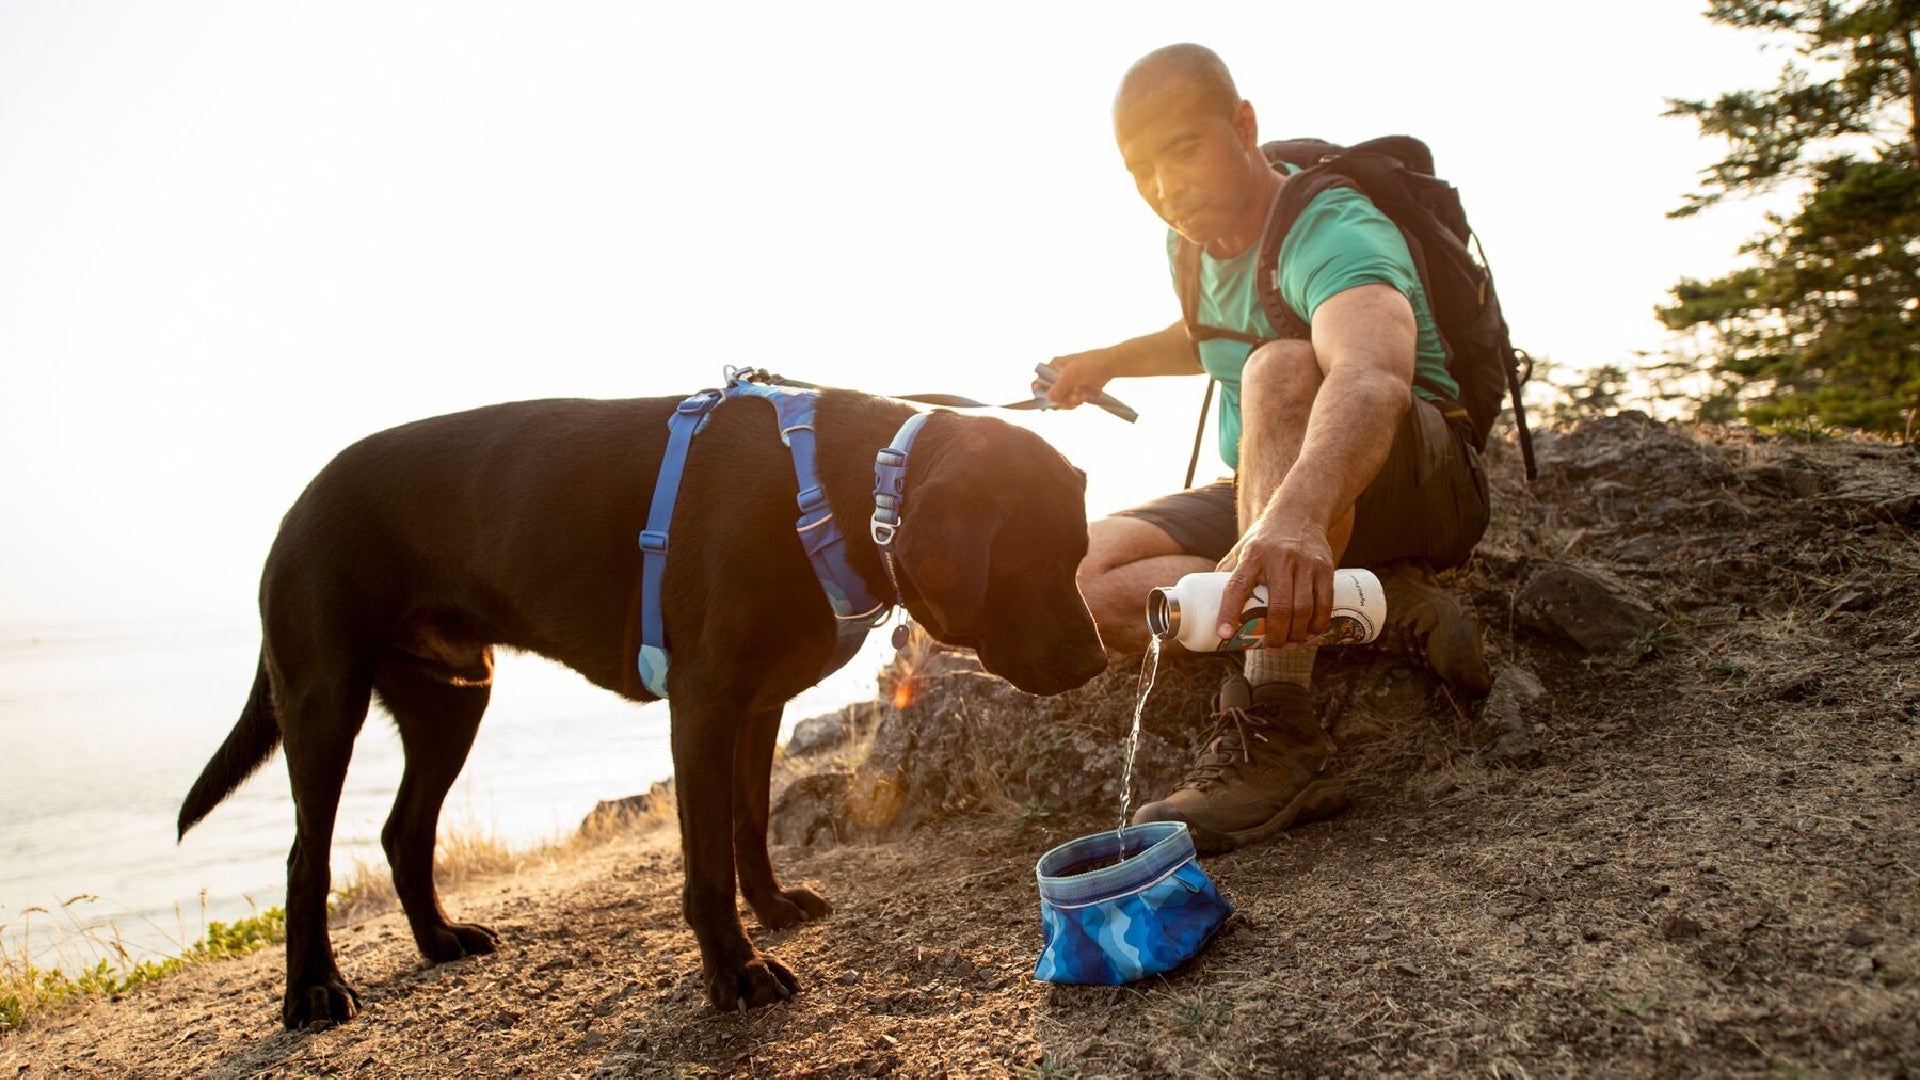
column 1251, row 632
column 1342, row 629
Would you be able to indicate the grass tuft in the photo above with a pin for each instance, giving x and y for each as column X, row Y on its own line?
column 28, row 991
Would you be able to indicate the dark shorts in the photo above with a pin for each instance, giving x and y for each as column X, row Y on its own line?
column 1428, row 501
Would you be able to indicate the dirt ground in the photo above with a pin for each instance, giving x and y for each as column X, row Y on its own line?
column 1698, row 855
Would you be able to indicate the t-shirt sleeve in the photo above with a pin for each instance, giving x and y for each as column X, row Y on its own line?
column 1341, row 241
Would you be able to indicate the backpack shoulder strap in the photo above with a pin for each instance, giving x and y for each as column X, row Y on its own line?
column 1299, row 189
column 1186, row 276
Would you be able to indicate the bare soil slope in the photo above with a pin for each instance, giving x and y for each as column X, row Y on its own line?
column 1686, row 847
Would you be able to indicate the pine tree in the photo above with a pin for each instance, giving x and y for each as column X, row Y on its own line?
column 1824, row 327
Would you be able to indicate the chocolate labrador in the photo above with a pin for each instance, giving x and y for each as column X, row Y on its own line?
column 419, row 549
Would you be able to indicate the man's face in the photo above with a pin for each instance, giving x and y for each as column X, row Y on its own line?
column 1188, row 160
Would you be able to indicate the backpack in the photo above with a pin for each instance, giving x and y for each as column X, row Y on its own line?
column 1396, row 174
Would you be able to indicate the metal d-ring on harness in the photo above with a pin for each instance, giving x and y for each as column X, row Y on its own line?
column 856, row 609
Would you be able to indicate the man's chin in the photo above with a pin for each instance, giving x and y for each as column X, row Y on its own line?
column 1203, row 231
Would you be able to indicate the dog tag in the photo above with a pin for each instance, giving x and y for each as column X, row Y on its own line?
column 899, row 637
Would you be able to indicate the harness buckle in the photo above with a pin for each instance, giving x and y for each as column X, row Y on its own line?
column 891, row 458
column 698, row 403
column 653, row 542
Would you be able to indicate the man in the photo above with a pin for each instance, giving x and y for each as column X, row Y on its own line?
column 1340, row 458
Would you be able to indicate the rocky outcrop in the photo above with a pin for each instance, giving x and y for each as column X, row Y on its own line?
column 1585, row 607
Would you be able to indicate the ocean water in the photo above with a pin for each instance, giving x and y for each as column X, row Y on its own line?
column 104, row 727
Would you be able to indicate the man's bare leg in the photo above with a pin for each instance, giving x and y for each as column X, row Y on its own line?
column 1265, row 766
column 1127, row 557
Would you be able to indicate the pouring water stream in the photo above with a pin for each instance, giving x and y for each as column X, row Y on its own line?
column 1150, row 668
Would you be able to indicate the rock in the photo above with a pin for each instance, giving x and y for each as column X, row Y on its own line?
column 1588, row 608
column 1791, row 477
column 808, row 813
column 962, row 740
column 1508, row 715
column 1632, row 449
column 1647, row 548
column 1797, row 686
column 1680, row 928
column 658, row 801
column 1859, row 938
column 818, row 733
column 1900, row 509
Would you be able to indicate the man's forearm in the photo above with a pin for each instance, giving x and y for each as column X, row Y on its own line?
column 1349, row 434
column 1163, row 352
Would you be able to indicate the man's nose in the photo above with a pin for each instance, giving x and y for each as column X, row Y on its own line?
column 1168, row 186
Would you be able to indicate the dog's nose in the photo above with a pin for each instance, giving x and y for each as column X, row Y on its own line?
column 1089, row 664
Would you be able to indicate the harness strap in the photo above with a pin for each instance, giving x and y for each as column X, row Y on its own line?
column 687, row 419
column 856, row 608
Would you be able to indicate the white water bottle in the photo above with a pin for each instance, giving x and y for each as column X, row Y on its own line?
column 1189, row 612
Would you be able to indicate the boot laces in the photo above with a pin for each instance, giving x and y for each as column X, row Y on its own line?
column 1226, row 740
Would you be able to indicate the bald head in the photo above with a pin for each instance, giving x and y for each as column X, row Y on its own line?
column 1186, row 68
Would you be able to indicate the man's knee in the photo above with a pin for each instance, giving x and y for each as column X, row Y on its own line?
column 1280, row 379
column 1113, row 542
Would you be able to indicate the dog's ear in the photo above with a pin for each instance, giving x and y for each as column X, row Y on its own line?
column 944, row 548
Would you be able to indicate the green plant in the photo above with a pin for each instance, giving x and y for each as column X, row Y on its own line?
column 1031, row 815
column 1724, row 668
column 27, row 989
column 1194, row 1014
column 1045, row 1067
column 1637, row 1008
column 1652, row 641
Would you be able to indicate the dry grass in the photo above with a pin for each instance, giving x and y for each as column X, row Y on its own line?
column 90, row 959
column 75, row 958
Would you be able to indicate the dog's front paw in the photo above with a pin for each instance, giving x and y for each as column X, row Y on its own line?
column 452, row 941
column 760, row 982
column 790, row 907
column 319, row 1003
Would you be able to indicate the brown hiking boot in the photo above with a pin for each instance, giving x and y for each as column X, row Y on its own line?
column 1264, row 768
column 1425, row 623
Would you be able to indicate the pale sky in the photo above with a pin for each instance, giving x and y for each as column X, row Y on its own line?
column 235, row 237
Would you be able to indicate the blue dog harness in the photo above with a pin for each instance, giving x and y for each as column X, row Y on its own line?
column 856, row 609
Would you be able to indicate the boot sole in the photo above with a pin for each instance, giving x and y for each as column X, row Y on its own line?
column 1320, row 799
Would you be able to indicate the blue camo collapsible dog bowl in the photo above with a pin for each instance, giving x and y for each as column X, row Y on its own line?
column 1106, row 925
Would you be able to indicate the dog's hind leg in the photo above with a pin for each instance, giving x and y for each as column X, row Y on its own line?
column 319, row 718
column 775, row 907
column 704, row 729
column 437, row 717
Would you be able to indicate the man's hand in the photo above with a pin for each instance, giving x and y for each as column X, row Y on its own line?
column 1082, row 375
column 1294, row 561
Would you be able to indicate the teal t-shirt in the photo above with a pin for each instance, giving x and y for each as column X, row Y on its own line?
column 1341, row 240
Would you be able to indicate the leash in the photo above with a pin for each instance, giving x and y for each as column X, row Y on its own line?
column 1045, row 375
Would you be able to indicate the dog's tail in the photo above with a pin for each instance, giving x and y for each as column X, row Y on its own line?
column 248, row 747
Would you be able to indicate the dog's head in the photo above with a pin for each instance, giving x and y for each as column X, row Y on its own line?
column 993, row 529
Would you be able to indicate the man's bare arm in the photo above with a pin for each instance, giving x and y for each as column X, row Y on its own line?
column 1163, row 352
column 1364, row 340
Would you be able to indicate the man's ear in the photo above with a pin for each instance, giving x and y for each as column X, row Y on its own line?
column 1246, row 125
column 944, row 547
